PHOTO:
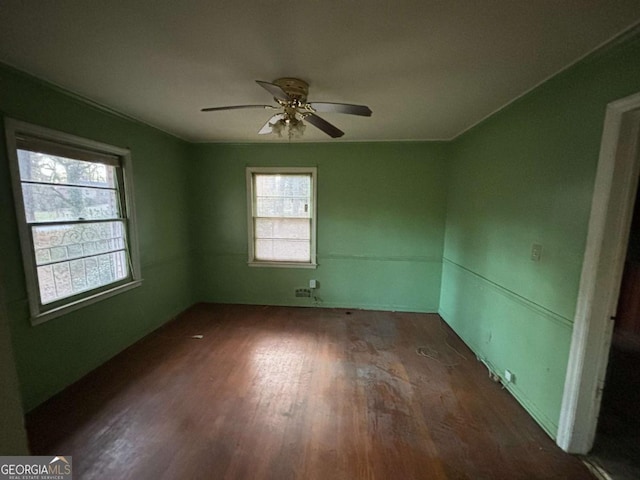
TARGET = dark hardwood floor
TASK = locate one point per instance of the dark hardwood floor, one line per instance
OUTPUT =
(296, 393)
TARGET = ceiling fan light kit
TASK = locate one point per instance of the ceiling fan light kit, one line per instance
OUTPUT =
(292, 125)
(291, 96)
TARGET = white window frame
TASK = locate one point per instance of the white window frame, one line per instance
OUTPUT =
(41, 313)
(313, 171)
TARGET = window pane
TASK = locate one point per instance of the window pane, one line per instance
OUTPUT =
(283, 250)
(271, 185)
(50, 203)
(61, 280)
(283, 195)
(42, 167)
(65, 242)
(283, 228)
(283, 239)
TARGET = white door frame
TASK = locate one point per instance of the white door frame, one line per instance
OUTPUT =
(609, 224)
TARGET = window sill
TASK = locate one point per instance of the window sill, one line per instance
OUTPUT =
(282, 264)
(83, 302)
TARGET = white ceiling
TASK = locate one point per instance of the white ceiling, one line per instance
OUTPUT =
(429, 69)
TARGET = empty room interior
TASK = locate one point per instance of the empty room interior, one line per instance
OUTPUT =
(321, 240)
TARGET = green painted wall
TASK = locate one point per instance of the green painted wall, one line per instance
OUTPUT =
(526, 176)
(424, 226)
(381, 220)
(52, 355)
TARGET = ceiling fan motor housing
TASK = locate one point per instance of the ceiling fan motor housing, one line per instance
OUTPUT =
(294, 87)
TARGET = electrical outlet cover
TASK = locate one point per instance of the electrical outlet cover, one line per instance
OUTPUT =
(509, 376)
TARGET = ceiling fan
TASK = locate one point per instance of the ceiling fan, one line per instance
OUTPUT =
(291, 96)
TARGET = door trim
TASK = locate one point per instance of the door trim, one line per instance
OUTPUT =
(609, 223)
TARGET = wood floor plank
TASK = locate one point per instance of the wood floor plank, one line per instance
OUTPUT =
(296, 393)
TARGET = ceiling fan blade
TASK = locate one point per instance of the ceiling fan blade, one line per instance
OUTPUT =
(322, 124)
(237, 107)
(267, 128)
(361, 110)
(274, 90)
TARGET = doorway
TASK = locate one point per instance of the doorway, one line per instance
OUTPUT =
(604, 260)
(617, 443)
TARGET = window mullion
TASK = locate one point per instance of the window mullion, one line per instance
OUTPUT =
(66, 184)
(74, 222)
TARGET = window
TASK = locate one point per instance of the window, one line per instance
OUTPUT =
(75, 213)
(282, 216)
